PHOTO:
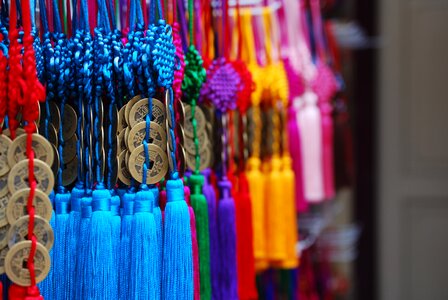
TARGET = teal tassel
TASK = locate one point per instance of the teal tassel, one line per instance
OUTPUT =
(100, 263)
(144, 260)
(125, 243)
(157, 212)
(46, 287)
(60, 254)
(84, 281)
(177, 277)
(116, 227)
(74, 220)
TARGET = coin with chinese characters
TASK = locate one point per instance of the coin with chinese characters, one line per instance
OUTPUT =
(129, 106)
(138, 134)
(158, 164)
(5, 143)
(41, 147)
(190, 146)
(16, 263)
(139, 111)
(18, 176)
(18, 231)
(4, 235)
(4, 200)
(17, 205)
(188, 124)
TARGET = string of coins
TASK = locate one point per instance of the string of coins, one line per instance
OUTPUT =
(30, 179)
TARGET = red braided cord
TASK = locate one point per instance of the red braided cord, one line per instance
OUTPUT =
(3, 88)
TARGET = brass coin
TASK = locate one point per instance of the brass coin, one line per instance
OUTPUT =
(138, 134)
(3, 253)
(52, 133)
(4, 236)
(18, 232)
(3, 215)
(69, 122)
(5, 143)
(19, 132)
(158, 164)
(200, 121)
(190, 146)
(123, 172)
(126, 136)
(121, 122)
(180, 110)
(17, 205)
(42, 149)
(139, 111)
(204, 162)
(70, 172)
(56, 161)
(180, 136)
(15, 263)
(4, 185)
(129, 106)
(121, 141)
(69, 151)
(18, 176)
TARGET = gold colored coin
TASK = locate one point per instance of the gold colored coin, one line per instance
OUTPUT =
(17, 205)
(70, 172)
(56, 161)
(190, 146)
(122, 123)
(123, 172)
(204, 162)
(51, 135)
(3, 204)
(129, 106)
(200, 121)
(5, 144)
(19, 132)
(157, 167)
(69, 122)
(121, 141)
(4, 236)
(138, 134)
(3, 253)
(4, 185)
(139, 111)
(15, 263)
(126, 136)
(18, 232)
(69, 151)
(41, 147)
(18, 176)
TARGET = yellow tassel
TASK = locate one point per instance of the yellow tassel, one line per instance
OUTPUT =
(256, 187)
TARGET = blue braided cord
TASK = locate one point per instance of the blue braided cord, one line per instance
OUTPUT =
(87, 84)
(173, 173)
(127, 65)
(117, 49)
(139, 62)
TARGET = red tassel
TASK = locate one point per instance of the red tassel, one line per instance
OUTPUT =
(245, 249)
(17, 292)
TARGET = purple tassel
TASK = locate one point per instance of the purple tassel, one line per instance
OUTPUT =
(210, 196)
(227, 242)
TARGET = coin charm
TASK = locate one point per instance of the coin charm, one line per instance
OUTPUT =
(15, 263)
(129, 106)
(190, 146)
(50, 134)
(121, 141)
(18, 232)
(204, 162)
(70, 172)
(139, 111)
(200, 121)
(4, 185)
(158, 164)
(17, 205)
(123, 172)
(138, 134)
(56, 160)
(3, 253)
(41, 147)
(3, 204)
(5, 144)
(18, 176)
(4, 236)
(126, 136)
(121, 122)
(19, 132)
(69, 122)
(69, 151)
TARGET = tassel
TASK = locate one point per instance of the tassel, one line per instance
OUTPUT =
(144, 262)
(17, 292)
(116, 230)
(177, 280)
(227, 242)
(199, 204)
(47, 285)
(84, 281)
(74, 220)
(195, 249)
(245, 248)
(100, 262)
(309, 123)
(60, 253)
(125, 243)
(275, 223)
(256, 186)
(210, 195)
(157, 212)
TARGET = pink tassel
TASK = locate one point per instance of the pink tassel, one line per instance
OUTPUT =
(309, 123)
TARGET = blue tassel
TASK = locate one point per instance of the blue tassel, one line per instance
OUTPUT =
(157, 212)
(227, 242)
(177, 275)
(144, 260)
(60, 254)
(46, 286)
(116, 227)
(84, 282)
(74, 219)
(125, 243)
(100, 262)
